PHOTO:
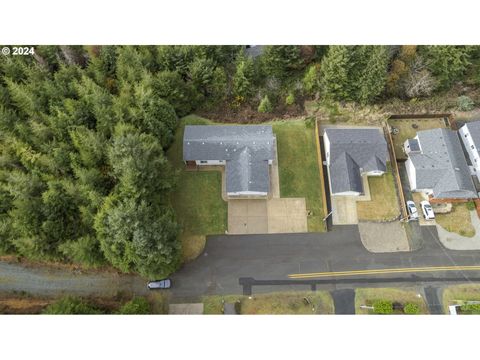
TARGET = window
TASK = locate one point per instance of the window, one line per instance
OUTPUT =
(203, 161)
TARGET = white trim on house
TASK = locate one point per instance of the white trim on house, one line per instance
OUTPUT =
(210, 162)
(347, 193)
(472, 150)
(246, 193)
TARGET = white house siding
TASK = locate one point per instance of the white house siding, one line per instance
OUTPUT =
(411, 174)
(472, 152)
(326, 143)
(374, 173)
(246, 194)
(347, 193)
(210, 162)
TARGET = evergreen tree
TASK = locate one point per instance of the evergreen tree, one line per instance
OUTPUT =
(279, 60)
(373, 76)
(334, 73)
(243, 78)
(447, 63)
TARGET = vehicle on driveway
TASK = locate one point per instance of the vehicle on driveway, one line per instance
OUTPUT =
(412, 210)
(427, 210)
(159, 284)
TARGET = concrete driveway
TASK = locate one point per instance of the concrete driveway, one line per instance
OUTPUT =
(344, 210)
(272, 216)
(247, 217)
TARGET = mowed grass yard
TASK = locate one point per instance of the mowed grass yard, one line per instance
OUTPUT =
(383, 205)
(197, 199)
(320, 302)
(366, 296)
(457, 221)
(298, 167)
(466, 292)
(407, 131)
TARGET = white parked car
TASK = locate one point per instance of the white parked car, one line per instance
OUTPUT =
(427, 210)
(412, 210)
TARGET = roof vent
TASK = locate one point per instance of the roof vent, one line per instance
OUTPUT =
(203, 142)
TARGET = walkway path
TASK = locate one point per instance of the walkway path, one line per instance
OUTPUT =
(344, 301)
(433, 300)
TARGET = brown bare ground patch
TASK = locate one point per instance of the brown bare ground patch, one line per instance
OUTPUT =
(23, 305)
(56, 265)
(248, 114)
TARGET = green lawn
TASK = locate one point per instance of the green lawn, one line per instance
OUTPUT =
(364, 296)
(274, 303)
(453, 295)
(298, 167)
(197, 199)
(457, 221)
(383, 205)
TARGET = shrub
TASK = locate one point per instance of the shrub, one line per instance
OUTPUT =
(265, 105)
(382, 307)
(136, 306)
(470, 205)
(464, 103)
(70, 305)
(290, 100)
(411, 309)
(471, 308)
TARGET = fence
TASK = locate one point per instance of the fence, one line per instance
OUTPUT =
(449, 118)
(396, 173)
(320, 167)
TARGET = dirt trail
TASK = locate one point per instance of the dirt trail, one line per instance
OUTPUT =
(54, 282)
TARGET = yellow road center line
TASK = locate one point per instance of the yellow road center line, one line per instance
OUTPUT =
(385, 271)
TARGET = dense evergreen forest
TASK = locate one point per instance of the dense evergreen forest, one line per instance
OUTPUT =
(84, 130)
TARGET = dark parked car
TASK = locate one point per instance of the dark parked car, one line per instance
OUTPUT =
(159, 284)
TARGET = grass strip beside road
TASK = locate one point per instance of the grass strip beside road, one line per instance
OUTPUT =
(304, 302)
(368, 296)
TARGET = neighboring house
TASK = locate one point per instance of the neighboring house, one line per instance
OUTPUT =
(246, 151)
(351, 153)
(436, 165)
(254, 50)
(470, 135)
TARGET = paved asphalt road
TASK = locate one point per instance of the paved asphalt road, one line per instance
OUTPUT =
(274, 257)
(226, 259)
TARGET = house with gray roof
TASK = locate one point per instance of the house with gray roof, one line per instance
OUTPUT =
(436, 165)
(352, 153)
(470, 135)
(246, 151)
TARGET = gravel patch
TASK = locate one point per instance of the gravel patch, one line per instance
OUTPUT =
(383, 237)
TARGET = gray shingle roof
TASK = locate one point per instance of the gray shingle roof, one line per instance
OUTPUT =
(441, 165)
(245, 148)
(474, 129)
(352, 152)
